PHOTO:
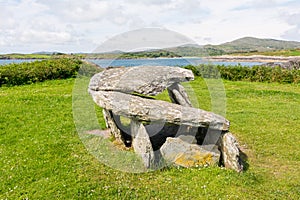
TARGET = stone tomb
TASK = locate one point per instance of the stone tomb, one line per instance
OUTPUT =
(158, 130)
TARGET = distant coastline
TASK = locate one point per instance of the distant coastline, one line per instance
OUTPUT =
(220, 58)
(252, 58)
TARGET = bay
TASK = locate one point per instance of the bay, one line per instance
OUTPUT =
(163, 62)
(144, 62)
(9, 61)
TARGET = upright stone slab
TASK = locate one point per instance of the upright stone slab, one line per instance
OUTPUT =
(178, 95)
(231, 152)
(141, 143)
(109, 122)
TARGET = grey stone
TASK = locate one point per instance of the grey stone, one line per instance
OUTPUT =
(230, 152)
(290, 64)
(110, 124)
(142, 79)
(212, 136)
(141, 143)
(155, 110)
(188, 138)
(181, 153)
(178, 95)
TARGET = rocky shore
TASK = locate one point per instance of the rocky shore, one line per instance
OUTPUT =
(289, 62)
(254, 58)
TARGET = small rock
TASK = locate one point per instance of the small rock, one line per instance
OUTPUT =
(181, 153)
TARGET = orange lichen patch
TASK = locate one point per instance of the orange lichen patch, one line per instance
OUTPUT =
(194, 160)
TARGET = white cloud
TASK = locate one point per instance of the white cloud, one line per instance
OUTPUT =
(292, 34)
(79, 25)
(141, 39)
(294, 21)
(45, 37)
(82, 11)
(226, 23)
(152, 2)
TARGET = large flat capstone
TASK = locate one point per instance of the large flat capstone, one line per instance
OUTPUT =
(154, 110)
(143, 79)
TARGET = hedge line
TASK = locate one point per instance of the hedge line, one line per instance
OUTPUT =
(243, 73)
(38, 71)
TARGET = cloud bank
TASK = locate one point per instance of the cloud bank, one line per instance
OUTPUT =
(80, 26)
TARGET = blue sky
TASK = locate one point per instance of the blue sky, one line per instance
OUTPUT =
(28, 26)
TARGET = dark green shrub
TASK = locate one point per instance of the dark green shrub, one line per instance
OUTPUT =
(244, 73)
(26, 73)
(193, 69)
(88, 69)
(205, 71)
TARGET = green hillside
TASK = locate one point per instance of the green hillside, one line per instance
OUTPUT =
(255, 44)
(242, 45)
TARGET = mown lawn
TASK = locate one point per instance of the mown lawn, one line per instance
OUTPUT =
(42, 156)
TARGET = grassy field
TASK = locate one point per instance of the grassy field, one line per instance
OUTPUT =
(42, 156)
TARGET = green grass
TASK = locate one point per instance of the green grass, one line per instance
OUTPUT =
(43, 157)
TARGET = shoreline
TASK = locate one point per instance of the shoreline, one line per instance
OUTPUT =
(254, 58)
(222, 58)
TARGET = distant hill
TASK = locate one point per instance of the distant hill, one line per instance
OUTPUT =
(242, 45)
(48, 53)
(256, 44)
(206, 50)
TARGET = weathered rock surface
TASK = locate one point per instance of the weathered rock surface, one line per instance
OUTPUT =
(141, 143)
(291, 64)
(183, 154)
(178, 95)
(254, 58)
(110, 124)
(154, 110)
(143, 80)
(230, 152)
(188, 138)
